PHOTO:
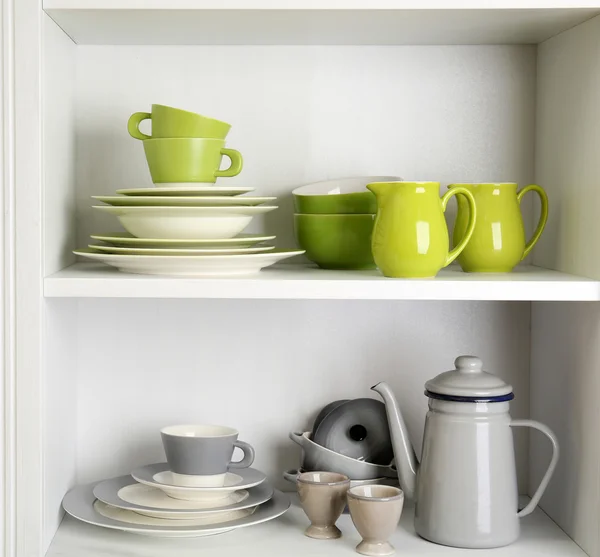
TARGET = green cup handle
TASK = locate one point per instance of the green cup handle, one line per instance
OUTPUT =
(236, 163)
(543, 216)
(471, 224)
(133, 125)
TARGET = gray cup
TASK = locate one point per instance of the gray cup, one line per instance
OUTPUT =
(203, 450)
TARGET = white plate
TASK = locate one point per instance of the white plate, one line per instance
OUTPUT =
(160, 477)
(125, 240)
(191, 265)
(185, 222)
(181, 201)
(186, 189)
(79, 503)
(125, 493)
(132, 517)
(180, 251)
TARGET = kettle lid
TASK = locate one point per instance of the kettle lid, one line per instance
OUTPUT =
(469, 382)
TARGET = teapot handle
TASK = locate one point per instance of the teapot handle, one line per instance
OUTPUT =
(555, 451)
(543, 215)
(470, 225)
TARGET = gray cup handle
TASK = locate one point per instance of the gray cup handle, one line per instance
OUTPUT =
(248, 455)
(291, 475)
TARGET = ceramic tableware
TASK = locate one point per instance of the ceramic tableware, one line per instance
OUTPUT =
(174, 122)
(375, 511)
(357, 428)
(200, 266)
(81, 504)
(498, 241)
(200, 455)
(316, 457)
(410, 238)
(186, 190)
(336, 241)
(160, 476)
(181, 201)
(325, 410)
(466, 497)
(180, 251)
(341, 196)
(185, 222)
(124, 239)
(190, 160)
(292, 477)
(125, 493)
(323, 498)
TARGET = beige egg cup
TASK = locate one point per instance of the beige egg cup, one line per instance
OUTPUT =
(375, 511)
(323, 498)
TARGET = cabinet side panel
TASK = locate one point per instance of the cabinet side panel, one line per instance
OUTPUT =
(565, 360)
(567, 147)
(60, 416)
(59, 147)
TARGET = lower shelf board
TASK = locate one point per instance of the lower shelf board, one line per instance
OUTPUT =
(284, 536)
(526, 283)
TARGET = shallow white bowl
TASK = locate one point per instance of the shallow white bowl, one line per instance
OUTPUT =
(196, 223)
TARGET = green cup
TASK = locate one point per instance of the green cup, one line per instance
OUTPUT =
(336, 241)
(173, 122)
(189, 160)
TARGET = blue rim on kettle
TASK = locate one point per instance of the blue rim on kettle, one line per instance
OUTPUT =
(452, 398)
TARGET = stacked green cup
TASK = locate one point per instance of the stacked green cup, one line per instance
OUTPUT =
(334, 221)
(184, 147)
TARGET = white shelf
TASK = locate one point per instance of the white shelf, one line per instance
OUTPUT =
(351, 22)
(90, 280)
(284, 536)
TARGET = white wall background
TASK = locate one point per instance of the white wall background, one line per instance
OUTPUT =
(267, 368)
(302, 114)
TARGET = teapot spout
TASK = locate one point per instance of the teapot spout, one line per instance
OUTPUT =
(404, 454)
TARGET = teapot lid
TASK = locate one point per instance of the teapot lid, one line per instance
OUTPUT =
(468, 383)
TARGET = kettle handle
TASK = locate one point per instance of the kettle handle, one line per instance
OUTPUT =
(553, 461)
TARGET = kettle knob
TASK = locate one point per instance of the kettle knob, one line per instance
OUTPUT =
(468, 364)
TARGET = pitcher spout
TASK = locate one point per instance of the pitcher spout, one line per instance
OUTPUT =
(404, 454)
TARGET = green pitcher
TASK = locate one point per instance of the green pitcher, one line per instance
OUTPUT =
(498, 242)
(410, 237)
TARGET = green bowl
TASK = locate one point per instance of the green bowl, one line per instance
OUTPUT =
(338, 197)
(336, 241)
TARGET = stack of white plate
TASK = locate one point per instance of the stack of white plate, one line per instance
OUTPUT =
(183, 230)
(150, 502)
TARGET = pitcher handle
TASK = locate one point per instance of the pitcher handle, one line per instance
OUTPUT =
(470, 226)
(543, 216)
(553, 461)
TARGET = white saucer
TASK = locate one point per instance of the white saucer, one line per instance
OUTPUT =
(159, 476)
(79, 503)
(125, 493)
(180, 251)
(181, 200)
(125, 240)
(186, 189)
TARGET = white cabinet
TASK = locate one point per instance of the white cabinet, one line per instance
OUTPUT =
(96, 361)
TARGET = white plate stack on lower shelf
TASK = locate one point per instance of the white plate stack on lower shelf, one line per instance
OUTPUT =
(152, 502)
(184, 230)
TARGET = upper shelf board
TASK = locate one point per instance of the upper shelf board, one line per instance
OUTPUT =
(316, 22)
(91, 280)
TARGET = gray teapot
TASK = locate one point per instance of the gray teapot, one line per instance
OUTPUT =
(465, 487)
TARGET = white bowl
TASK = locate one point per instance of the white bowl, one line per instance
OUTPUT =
(197, 223)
